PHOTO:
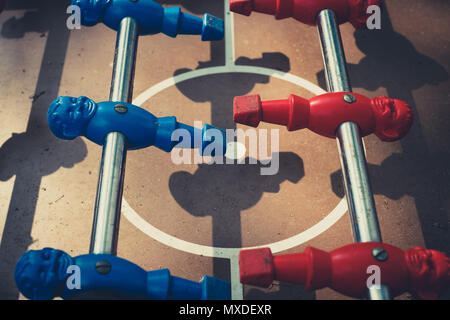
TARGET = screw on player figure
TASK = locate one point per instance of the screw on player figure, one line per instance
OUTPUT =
(70, 117)
(423, 272)
(43, 274)
(389, 119)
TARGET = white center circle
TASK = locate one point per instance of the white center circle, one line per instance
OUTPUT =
(236, 150)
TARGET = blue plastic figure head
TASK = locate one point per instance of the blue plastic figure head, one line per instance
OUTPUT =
(91, 10)
(68, 117)
(40, 274)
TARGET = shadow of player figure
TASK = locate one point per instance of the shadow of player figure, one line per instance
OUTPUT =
(197, 6)
(279, 291)
(225, 87)
(398, 176)
(33, 20)
(223, 191)
(393, 63)
(425, 181)
(220, 89)
(29, 157)
(221, 94)
(36, 152)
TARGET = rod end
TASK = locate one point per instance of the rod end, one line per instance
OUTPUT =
(256, 267)
(247, 110)
(213, 28)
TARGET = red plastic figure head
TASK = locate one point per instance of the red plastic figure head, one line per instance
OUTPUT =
(393, 118)
(429, 271)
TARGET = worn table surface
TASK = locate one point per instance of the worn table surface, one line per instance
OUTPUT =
(47, 186)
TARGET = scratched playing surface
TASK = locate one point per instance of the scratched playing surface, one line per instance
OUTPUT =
(47, 186)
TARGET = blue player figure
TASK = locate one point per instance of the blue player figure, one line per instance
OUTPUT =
(49, 273)
(151, 16)
(70, 117)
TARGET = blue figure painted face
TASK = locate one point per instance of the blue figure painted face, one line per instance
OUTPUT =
(39, 274)
(91, 10)
(68, 116)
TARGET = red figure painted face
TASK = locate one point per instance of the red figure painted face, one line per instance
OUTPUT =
(393, 118)
(429, 271)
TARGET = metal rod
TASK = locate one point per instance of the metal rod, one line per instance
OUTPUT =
(361, 205)
(108, 202)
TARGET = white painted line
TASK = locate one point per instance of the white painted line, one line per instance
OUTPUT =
(217, 252)
(229, 35)
(237, 289)
(147, 94)
(230, 253)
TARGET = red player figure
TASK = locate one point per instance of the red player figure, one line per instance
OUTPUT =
(423, 272)
(306, 11)
(389, 119)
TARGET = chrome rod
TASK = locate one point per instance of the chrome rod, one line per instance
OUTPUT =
(108, 202)
(361, 204)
